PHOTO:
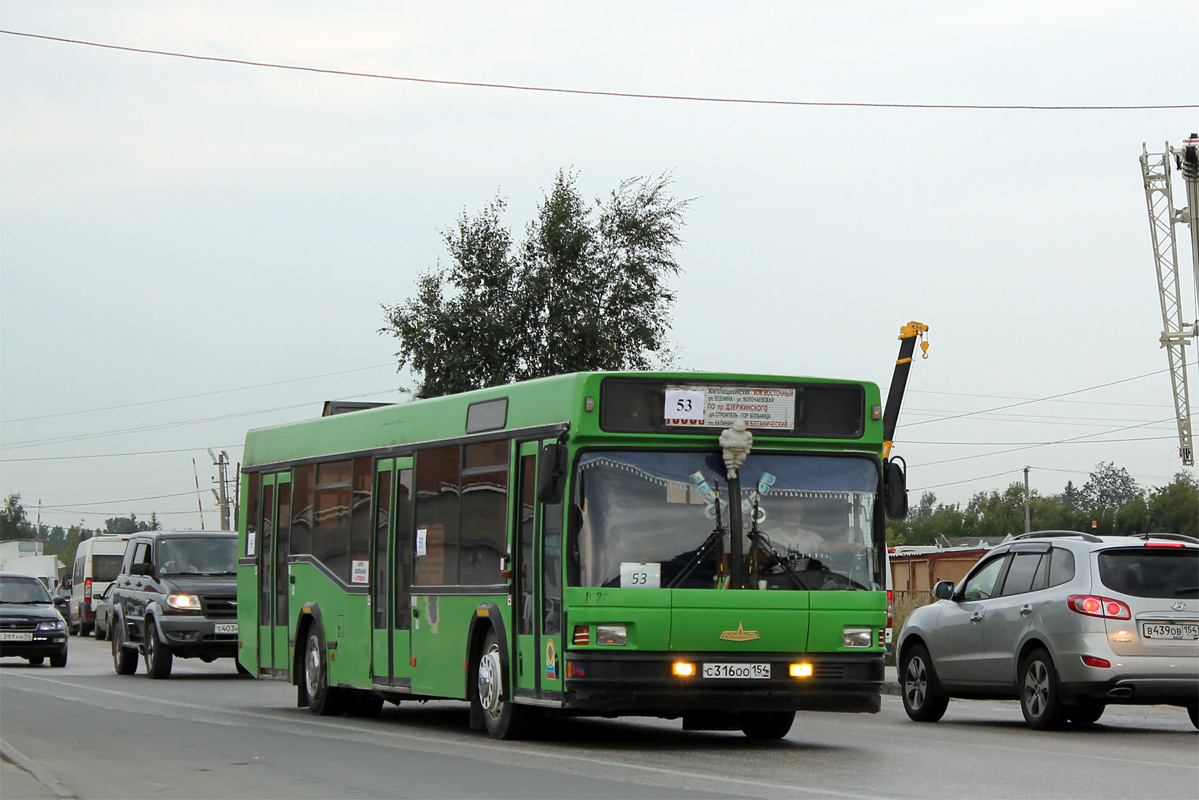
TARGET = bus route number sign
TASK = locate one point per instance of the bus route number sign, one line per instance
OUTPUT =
(635, 575)
(685, 405)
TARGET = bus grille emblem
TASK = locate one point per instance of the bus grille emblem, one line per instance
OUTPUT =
(740, 635)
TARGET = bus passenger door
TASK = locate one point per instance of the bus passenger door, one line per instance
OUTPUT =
(525, 649)
(273, 525)
(391, 583)
(537, 616)
(381, 560)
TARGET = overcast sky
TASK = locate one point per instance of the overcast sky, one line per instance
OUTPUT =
(190, 248)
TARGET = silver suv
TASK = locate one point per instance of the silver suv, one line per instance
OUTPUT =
(1066, 622)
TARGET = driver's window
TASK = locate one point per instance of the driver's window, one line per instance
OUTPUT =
(981, 584)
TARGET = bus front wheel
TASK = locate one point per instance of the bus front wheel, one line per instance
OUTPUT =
(323, 699)
(503, 718)
(767, 724)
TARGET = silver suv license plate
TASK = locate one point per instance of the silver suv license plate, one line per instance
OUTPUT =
(736, 671)
(1167, 630)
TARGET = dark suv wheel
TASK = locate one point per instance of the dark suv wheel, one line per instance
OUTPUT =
(124, 659)
(158, 655)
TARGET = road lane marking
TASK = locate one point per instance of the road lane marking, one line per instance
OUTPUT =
(470, 746)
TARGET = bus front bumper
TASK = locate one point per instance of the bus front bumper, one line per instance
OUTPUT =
(646, 683)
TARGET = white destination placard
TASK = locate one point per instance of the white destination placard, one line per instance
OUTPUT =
(762, 407)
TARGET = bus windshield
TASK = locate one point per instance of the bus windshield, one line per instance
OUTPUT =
(647, 520)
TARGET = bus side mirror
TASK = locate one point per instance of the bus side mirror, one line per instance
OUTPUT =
(895, 490)
(551, 474)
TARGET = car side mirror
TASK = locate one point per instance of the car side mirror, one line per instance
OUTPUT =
(943, 590)
(142, 569)
(551, 474)
(60, 602)
(895, 489)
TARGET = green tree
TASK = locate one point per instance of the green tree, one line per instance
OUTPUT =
(1109, 488)
(13, 522)
(1174, 508)
(1133, 517)
(131, 524)
(1070, 497)
(585, 290)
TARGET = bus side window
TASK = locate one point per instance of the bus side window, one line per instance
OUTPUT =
(551, 568)
(403, 574)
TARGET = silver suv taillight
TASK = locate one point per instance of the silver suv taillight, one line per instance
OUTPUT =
(1094, 606)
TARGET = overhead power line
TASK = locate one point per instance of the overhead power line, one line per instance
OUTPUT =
(124, 455)
(165, 425)
(69, 506)
(86, 513)
(1042, 399)
(201, 394)
(1041, 444)
(1072, 440)
(600, 93)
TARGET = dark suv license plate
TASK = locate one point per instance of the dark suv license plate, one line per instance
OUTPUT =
(1169, 630)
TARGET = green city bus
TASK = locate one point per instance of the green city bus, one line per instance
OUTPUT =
(564, 546)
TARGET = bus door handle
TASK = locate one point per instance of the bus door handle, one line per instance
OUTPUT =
(291, 579)
(416, 613)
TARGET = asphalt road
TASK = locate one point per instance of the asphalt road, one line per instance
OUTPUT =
(85, 732)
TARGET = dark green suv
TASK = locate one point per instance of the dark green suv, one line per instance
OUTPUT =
(176, 595)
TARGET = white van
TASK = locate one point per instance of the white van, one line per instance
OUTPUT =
(97, 564)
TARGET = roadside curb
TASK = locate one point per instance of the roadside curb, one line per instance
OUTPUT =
(890, 682)
(20, 761)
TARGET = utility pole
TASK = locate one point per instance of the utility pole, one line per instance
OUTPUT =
(199, 502)
(222, 496)
(1027, 508)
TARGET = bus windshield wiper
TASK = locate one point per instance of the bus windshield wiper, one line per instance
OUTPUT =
(759, 540)
(714, 538)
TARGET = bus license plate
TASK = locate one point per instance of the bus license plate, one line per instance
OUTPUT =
(736, 671)
(225, 627)
(10, 636)
(1165, 630)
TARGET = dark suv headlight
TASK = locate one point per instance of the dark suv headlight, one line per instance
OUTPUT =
(184, 602)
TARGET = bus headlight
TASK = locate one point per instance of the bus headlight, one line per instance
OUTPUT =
(611, 635)
(186, 602)
(684, 669)
(801, 670)
(857, 637)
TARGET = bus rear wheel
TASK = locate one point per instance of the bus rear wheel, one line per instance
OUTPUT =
(323, 699)
(767, 724)
(503, 718)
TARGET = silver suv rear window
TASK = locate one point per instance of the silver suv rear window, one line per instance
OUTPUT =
(1151, 571)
